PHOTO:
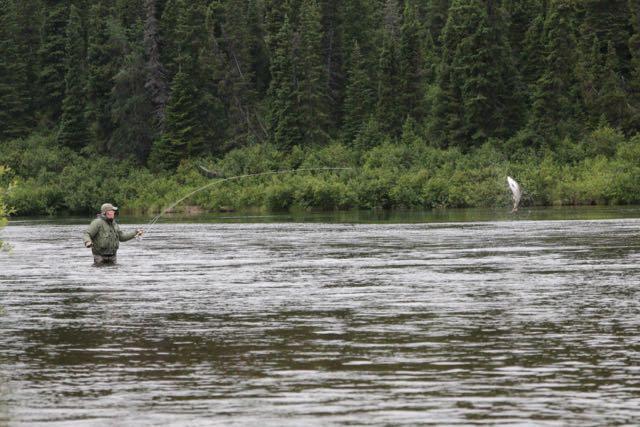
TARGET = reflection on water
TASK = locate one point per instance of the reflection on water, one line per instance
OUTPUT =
(317, 323)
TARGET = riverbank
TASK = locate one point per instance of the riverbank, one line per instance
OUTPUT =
(602, 169)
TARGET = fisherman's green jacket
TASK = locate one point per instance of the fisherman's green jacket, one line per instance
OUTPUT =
(106, 236)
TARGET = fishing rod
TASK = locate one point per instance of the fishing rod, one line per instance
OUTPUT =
(232, 178)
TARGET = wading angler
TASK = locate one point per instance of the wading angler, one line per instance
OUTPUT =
(104, 235)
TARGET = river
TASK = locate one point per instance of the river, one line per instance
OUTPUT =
(472, 318)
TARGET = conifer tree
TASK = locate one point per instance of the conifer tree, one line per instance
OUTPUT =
(29, 26)
(168, 39)
(389, 111)
(412, 65)
(156, 77)
(589, 71)
(359, 96)
(73, 131)
(634, 50)
(533, 54)
(613, 101)
(51, 54)
(556, 107)
(182, 135)
(14, 99)
(437, 12)
(520, 15)
(609, 20)
(132, 109)
(283, 123)
(106, 42)
(478, 85)
(312, 104)
(231, 46)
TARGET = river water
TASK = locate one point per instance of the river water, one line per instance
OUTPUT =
(516, 321)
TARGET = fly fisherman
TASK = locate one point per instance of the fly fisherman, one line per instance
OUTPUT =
(104, 234)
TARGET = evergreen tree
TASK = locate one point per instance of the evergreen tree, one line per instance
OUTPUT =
(634, 79)
(436, 13)
(334, 56)
(609, 20)
(231, 45)
(73, 126)
(182, 135)
(412, 65)
(51, 54)
(478, 84)
(359, 96)
(132, 110)
(192, 41)
(312, 102)
(389, 111)
(156, 78)
(521, 14)
(589, 70)
(556, 108)
(29, 26)
(168, 40)
(105, 48)
(613, 101)
(14, 119)
(533, 54)
(283, 123)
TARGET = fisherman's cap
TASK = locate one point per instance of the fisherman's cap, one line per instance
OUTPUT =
(107, 207)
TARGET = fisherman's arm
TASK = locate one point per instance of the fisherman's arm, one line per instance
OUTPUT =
(124, 236)
(89, 234)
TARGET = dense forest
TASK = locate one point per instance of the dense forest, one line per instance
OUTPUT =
(430, 102)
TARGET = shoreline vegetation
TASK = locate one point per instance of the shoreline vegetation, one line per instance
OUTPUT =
(602, 169)
(430, 103)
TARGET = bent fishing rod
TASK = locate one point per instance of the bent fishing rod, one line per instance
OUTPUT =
(234, 178)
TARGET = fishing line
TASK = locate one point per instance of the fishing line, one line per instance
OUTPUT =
(220, 181)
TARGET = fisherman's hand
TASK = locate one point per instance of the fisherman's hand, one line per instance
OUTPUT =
(139, 232)
(88, 244)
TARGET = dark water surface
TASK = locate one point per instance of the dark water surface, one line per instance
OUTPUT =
(511, 322)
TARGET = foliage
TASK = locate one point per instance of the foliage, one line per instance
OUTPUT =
(431, 103)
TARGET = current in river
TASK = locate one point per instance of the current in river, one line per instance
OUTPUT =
(468, 318)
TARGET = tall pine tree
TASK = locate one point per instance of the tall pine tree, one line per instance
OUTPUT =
(52, 63)
(312, 102)
(556, 104)
(14, 97)
(73, 131)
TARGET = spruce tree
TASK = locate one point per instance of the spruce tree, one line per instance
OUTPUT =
(73, 131)
(182, 135)
(533, 54)
(132, 109)
(609, 20)
(52, 66)
(613, 101)
(389, 111)
(283, 123)
(634, 79)
(156, 76)
(312, 102)
(412, 65)
(359, 96)
(104, 55)
(14, 99)
(589, 71)
(478, 85)
(168, 41)
(29, 26)
(437, 12)
(556, 107)
(231, 46)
